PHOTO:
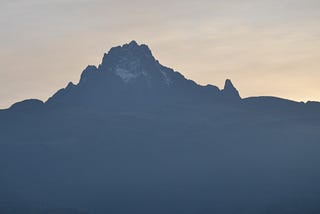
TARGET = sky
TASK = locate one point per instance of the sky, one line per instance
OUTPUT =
(266, 47)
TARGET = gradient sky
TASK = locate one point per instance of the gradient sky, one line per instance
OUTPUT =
(267, 47)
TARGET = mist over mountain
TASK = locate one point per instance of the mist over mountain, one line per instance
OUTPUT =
(134, 136)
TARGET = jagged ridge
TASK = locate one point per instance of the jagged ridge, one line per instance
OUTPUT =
(130, 72)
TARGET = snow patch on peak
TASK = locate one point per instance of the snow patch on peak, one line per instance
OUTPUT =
(125, 74)
(128, 69)
(167, 80)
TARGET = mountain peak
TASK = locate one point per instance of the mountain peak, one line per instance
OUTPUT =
(133, 43)
(132, 49)
(87, 73)
(228, 85)
(131, 62)
(229, 90)
(130, 72)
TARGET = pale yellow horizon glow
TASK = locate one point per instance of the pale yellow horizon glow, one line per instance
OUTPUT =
(267, 48)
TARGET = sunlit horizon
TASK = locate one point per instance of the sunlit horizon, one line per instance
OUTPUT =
(266, 48)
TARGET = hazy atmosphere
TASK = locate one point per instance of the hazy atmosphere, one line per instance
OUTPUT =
(175, 107)
(265, 47)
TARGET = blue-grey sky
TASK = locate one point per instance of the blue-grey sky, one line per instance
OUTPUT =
(267, 47)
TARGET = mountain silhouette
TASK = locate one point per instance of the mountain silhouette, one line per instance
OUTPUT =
(129, 74)
(134, 136)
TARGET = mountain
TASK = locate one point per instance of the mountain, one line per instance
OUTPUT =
(130, 75)
(134, 136)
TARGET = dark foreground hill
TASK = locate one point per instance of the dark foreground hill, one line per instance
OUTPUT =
(134, 136)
